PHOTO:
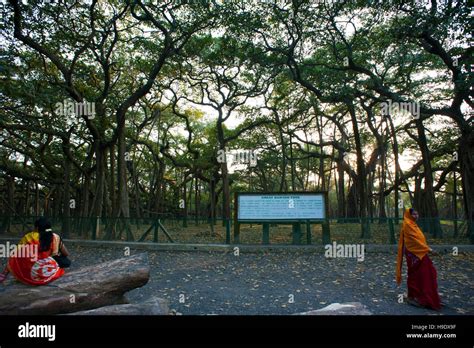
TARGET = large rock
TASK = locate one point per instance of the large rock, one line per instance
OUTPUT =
(153, 306)
(86, 288)
(348, 308)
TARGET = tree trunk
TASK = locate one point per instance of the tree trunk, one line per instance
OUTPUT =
(321, 160)
(370, 194)
(185, 201)
(112, 189)
(58, 201)
(11, 195)
(98, 202)
(85, 197)
(455, 204)
(37, 200)
(9, 210)
(341, 196)
(197, 200)
(397, 169)
(361, 177)
(292, 167)
(136, 188)
(66, 216)
(160, 188)
(283, 184)
(224, 170)
(382, 180)
(212, 203)
(123, 201)
(427, 207)
(27, 210)
(466, 156)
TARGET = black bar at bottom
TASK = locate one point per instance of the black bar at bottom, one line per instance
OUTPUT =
(346, 330)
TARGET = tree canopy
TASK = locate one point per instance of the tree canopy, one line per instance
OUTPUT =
(122, 107)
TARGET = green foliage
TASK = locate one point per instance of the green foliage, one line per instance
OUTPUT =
(275, 79)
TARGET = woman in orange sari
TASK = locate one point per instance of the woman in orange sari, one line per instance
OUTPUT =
(32, 261)
(422, 278)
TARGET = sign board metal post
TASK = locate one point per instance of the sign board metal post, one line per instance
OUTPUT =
(227, 231)
(236, 221)
(296, 233)
(308, 232)
(326, 233)
(266, 233)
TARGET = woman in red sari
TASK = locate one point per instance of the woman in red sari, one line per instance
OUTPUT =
(32, 261)
(422, 278)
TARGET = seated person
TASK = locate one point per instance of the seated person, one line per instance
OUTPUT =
(39, 258)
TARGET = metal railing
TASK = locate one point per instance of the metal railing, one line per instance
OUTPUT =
(201, 230)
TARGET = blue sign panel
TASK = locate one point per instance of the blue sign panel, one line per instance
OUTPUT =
(277, 206)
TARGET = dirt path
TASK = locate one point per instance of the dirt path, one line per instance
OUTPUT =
(263, 284)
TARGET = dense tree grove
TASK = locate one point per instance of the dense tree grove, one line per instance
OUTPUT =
(142, 108)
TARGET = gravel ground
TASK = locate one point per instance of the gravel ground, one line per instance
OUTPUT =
(266, 283)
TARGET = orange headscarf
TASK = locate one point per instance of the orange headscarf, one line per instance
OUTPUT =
(413, 239)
